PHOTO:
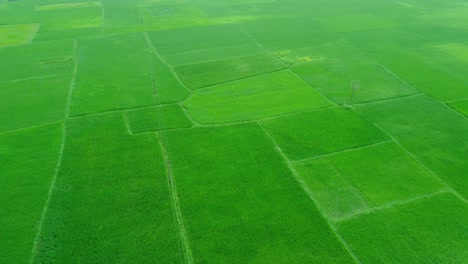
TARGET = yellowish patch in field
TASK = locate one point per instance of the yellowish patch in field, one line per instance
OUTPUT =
(67, 6)
(17, 34)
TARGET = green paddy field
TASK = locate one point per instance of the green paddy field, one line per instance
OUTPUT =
(233, 131)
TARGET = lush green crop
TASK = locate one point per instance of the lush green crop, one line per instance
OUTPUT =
(310, 134)
(350, 182)
(334, 79)
(28, 164)
(424, 231)
(111, 201)
(157, 118)
(257, 97)
(33, 102)
(425, 128)
(233, 131)
(214, 72)
(246, 206)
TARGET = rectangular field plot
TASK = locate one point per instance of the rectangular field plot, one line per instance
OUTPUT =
(157, 118)
(435, 134)
(111, 200)
(430, 230)
(29, 159)
(456, 50)
(422, 76)
(320, 132)
(334, 78)
(356, 22)
(289, 33)
(350, 182)
(17, 34)
(199, 44)
(36, 60)
(214, 72)
(242, 205)
(113, 73)
(253, 98)
(33, 102)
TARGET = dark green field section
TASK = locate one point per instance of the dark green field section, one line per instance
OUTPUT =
(425, 231)
(36, 60)
(385, 174)
(33, 102)
(29, 160)
(110, 202)
(333, 78)
(425, 128)
(157, 118)
(252, 98)
(247, 207)
(310, 134)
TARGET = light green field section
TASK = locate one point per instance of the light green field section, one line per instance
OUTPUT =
(110, 200)
(199, 44)
(113, 73)
(423, 231)
(71, 18)
(33, 102)
(311, 134)
(215, 72)
(456, 16)
(316, 53)
(460, 106)
(351, 182)
(168, 15)
(456, 50)
(285, 34)
(422, 76)
(157, 118)
(67, 6)
(36, 60)
(333, 78)
(17, 34)
(253, 98)
(70, 34)
(29, 159)
(247, 207)
(435, 134)
(356, 22)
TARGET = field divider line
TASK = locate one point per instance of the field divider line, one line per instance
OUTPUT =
(455, 101)
(29, 127)
(456, 111)
(310, 194)
(342, 151)
(389, 99)
(182, 237)
(391, 205)
(49, 194)
(195, 123)
(72, 83)
(36, 78)
(127, 123)
(239, 79)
